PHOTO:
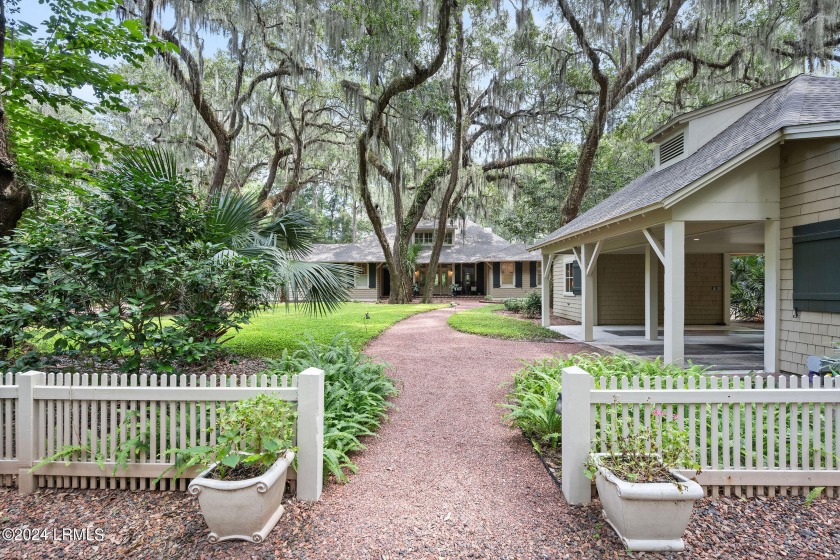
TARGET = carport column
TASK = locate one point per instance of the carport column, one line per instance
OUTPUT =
(726, 287)
(674, 292)
(587, 319)
(772, 244)
(545, 282)
(651, 294)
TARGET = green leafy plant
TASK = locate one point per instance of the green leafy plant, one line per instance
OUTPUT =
(255, 431)
(646, 454)
(832, 363)
(813, 495)
(356, 393)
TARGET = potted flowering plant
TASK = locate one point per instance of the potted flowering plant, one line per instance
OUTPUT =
(645, 500)
(241, 489)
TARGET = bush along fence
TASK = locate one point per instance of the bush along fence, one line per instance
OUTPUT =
(752, 435)
(119, 430)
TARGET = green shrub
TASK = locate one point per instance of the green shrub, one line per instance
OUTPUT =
(533, 396)
(355, 396)
(514, 305)
(124, 273)
(532, 304)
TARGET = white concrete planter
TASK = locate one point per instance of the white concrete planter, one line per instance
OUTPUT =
(243, 509)
(647, 516)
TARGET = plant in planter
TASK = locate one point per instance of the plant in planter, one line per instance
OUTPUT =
(645, 500)
(241, 490)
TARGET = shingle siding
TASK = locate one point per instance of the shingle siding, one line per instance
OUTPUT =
(621, 289)
(810, 192)
(566, 306)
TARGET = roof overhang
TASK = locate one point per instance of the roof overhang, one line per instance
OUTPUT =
(802, 132)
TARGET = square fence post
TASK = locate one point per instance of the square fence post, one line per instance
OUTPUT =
(26, 428)
(576, 426)
(310, 435)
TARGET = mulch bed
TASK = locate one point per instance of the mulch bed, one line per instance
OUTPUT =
(169, 525)
(555, 320)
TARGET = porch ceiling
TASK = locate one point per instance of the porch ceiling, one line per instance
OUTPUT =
(701, 237)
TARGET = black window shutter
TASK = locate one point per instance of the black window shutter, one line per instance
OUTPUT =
(517, 282)
(816, 267)
(532, 272)
(371, 275)
(479, 277)
(457, 273)
(576, 279)
(497, 275)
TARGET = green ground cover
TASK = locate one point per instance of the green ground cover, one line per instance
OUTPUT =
(484, 321)
(271, 332)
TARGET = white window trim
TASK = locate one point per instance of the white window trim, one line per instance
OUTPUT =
(566, 261)
(356, 276)
(538, 268)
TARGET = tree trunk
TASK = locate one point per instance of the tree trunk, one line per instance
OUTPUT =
(15, 197)
(220, 169)
(402, 281)
(583, 173)
(455, 159)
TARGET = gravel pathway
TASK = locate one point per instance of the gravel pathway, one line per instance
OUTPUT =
(445, 479)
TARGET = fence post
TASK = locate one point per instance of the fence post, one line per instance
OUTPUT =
(576, 426)
(310, 435)
(26, 428)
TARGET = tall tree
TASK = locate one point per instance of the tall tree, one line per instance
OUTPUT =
(625, 47)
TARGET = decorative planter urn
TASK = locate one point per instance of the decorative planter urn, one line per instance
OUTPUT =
(648, 516)
(242, 509)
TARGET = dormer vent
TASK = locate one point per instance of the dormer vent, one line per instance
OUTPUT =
(672, 149)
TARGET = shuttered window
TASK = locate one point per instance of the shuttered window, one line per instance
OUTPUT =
(816, 267)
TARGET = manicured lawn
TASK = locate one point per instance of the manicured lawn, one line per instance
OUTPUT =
(483, 321)
(271, 332)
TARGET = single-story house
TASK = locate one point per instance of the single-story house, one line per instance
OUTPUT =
(755, 174)
(473, 257)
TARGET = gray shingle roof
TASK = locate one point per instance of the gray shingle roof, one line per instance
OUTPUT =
(805, 100)
(472, 243)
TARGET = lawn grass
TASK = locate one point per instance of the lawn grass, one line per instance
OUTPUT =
(484, 321)
(270, 332)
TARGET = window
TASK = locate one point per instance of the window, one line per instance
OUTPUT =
(570, 277)
(428, 237)
(507, 273)
(572, 281)
(361, 275)
(538, 272)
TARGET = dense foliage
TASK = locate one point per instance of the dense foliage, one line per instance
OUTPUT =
(127, 273)
(356, 392)
(256, 433)
(747, 296)
(533, 395)
(530, 305)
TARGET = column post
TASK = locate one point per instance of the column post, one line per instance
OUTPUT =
(772, 271)
(587, 318)
(576, 425)
(674, 292)
(310, 434)
(545, 282)
(651, 294)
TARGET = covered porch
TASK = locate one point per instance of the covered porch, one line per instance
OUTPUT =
(663, 289)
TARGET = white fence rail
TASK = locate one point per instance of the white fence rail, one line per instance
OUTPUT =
(752, 435)
(123, 425)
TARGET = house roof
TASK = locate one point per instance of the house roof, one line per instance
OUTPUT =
(804, 100)
(470, 243)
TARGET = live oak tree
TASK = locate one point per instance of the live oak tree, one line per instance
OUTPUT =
(622, 48)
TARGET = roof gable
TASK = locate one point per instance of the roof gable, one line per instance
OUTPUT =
(804, 100)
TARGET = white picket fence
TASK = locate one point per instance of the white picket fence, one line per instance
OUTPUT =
(143, 416)
(752, 435)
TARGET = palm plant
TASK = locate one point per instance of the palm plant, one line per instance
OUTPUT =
(238, 223)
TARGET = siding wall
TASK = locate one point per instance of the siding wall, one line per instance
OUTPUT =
(810, 192)
(565, 306)
(505, 293)
(621, 291)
